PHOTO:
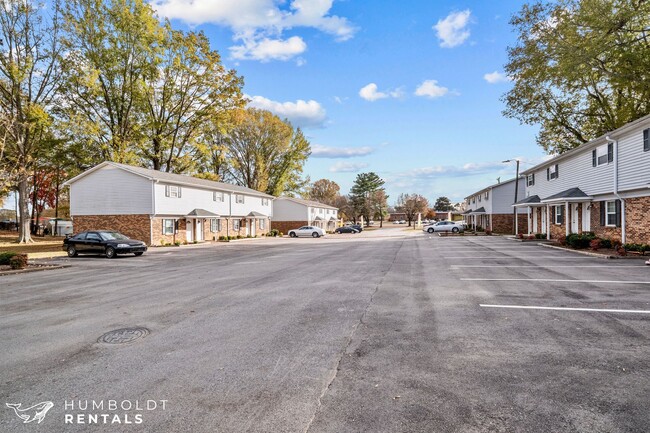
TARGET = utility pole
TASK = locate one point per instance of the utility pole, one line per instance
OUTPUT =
(514, 214)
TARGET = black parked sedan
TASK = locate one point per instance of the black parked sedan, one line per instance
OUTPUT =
(105, 242)
(346, 229)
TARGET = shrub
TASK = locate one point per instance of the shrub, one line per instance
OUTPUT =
(580, 241)
(531, 237)
(595, 244)
(520, 236)
(249, 236)
(177, 243)
(488, 232)
(540, 236)
(639, 248)
(168, 244)
(605, 243)
(6, 256)
(18, 261)
(621, 251)
(239, 236)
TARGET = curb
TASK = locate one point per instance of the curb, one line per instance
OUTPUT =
(587, 253)
(36, 269)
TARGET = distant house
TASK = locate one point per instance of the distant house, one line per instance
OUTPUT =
(396, 216)
(158, 207)
(602, 186)
(491, 208)
(290, 213)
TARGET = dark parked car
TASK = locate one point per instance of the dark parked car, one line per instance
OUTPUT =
(106, 242)
(357, 227)
(346, 229)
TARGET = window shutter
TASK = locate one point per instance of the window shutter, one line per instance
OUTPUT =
(557, 172)
(166, 190)
(561, 214)
(548, 173)
(533, 178)
(179, 191)
(610, 152)
(176, 222)
(163, 226)
(618, 213)
(603, 205)
(646, 139)
(594, 158)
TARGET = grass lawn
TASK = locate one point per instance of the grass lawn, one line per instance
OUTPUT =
(8, 242)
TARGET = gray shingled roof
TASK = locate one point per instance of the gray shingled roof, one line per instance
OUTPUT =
(570, 194)
(257, 214)
(529, 200)
(478, 211)
(202, 213)
(311, 203)
(181, 178)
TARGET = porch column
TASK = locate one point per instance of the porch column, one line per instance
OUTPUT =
(567, 217)
(548, 222)
(529, 216)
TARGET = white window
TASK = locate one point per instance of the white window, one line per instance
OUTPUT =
(487, 195)
(172, 191)
(646, 140)
(218, 196)
(265, 202)
(239, 198)
(168, 226)
(602, 155)
(530, 179)
(215, 225)
(559, 214)
(235, 225)
(480, 197)
(552, 172)
(262, 224)
(473, 199)
(320, 210)
(610, 213)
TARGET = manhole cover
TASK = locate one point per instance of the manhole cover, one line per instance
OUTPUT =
(124, 335)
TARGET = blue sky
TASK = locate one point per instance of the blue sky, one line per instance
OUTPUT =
(394, 87)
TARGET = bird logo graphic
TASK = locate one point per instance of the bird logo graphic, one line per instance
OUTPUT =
(36, 412)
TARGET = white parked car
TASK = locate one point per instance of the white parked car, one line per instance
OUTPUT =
(304, 231)
(444, 226)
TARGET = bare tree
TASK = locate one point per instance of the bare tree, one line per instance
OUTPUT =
(411, 205)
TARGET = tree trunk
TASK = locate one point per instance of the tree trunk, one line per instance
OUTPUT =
(55, 232)
(24, 236)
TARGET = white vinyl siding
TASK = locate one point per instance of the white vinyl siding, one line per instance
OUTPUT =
(111, 191)
(634, 162)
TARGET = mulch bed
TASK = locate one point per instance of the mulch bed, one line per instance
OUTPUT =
(32, 267)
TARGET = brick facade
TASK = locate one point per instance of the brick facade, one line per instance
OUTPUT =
(637, 220)
(503, 223)
(227, 228)
(285, 226)
(134, 226)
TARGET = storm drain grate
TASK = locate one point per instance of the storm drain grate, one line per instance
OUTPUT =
(124, 335)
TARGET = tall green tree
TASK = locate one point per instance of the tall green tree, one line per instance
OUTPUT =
(363, 192)
(265, 153)
(29, 85)
(112, 47)
(581, 68)
(443, 204)
(191, 88)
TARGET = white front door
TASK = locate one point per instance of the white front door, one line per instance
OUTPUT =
(253, 222)
(574, 217)
(544, 228)
(199, 230)
(586, 217)
(535, 227)
(189, 230)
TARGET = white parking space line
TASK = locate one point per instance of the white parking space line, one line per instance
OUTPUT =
(530, 307)
(544, 266)
(519, 257)
(556, 280)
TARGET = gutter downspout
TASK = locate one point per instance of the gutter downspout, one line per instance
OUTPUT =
(615, 143)
(229, 214)
(153, 211)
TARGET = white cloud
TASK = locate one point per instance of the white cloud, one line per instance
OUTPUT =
(318, 151)
(452, 30)
(269, 49)
(260, 22)
(431, 89)
(348, 167)
(370, 92)
(305, 114)
(496, 77)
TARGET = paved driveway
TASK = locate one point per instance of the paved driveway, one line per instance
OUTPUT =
(384, 332)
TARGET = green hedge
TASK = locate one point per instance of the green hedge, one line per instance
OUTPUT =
(580, 241)
(6, 257)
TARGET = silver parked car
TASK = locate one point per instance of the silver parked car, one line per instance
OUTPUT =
(444, 226)
(314, 232)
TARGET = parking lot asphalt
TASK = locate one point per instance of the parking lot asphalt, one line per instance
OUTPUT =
(386, 331)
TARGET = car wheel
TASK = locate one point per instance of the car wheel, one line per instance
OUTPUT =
(72, 251)
(293, 234)
(454, 230)
(138, 253)
(315, 235)
(110, 252)
(430, 230)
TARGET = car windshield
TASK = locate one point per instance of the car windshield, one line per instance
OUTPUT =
(113, 236)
